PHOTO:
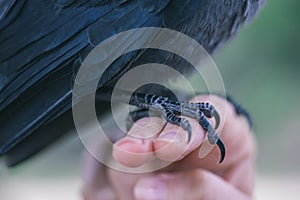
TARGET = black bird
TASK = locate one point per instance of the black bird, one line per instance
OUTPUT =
(43, 43)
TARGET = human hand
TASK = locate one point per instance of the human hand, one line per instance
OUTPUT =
(187, 177)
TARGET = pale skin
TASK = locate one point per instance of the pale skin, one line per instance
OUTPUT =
(188, 177)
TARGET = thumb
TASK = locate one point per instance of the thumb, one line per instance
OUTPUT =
(192, 184)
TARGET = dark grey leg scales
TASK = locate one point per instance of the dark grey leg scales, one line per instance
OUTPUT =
(170, 110)
(207, 109)
(139, 114)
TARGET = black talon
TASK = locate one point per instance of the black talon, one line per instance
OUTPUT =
(217, 118)
(222, 150)
(189, 130)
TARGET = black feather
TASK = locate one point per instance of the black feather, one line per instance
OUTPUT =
(43, 42)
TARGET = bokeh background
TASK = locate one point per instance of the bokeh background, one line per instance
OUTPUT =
(260, 69)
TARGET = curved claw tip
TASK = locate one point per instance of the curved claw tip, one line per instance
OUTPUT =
(188, 128)
(189, 136)
(222, 150)
(217, 118)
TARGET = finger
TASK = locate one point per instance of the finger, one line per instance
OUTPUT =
(95, 182)
(171, 143)
(136, 148)
(123, 183)
(194, 184)
(240, 147)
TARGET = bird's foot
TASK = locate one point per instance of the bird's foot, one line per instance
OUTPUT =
(172, 111)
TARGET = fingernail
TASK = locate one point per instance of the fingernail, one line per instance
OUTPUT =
(127, 142)
(151, 188)
(170, 137)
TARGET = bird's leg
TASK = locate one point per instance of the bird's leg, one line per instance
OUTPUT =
(170, 110)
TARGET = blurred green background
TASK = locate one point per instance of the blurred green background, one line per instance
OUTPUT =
(260, 69)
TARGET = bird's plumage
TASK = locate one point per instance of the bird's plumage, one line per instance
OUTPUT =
(43, 42)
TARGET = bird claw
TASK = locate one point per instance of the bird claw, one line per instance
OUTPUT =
(170, 110)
